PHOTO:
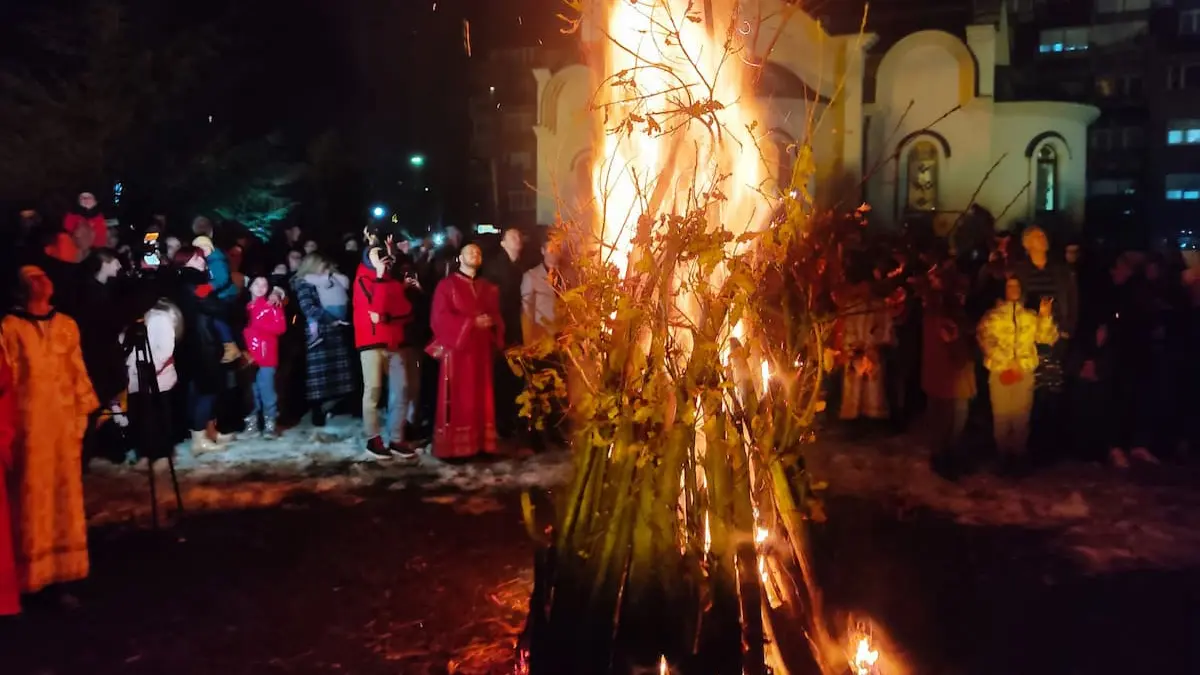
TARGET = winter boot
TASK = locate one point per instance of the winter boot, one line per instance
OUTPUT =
(269, 431)
(251, 425)
(202, 445)
(231, 353)
(221, 439)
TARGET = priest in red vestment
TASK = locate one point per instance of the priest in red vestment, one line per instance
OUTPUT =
(467, 331)
(10, 589)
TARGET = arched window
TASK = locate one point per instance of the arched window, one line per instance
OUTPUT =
(922, 173)
(1045, 195)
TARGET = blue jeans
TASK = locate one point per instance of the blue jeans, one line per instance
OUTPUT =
(200, 408)
(265, 400)
(224, 332)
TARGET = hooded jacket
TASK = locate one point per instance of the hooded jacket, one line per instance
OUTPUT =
(387, 297)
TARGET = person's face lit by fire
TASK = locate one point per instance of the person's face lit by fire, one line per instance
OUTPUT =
(550, 255)
(310, 246)
(85, 238)
(293, 260)
(259, 287)
(470, 258)
(1012, 290)
(1071, 254)
(114, 239)
(87, 201)
(1035, 242)
(511, 243)
(173, 246)
(36, 285)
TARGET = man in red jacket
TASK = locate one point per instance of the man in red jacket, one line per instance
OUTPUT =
(382, 314)
(86, 213)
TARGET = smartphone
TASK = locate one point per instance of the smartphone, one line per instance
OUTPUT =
(150, 245)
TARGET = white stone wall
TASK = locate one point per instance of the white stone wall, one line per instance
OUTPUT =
(931, 86)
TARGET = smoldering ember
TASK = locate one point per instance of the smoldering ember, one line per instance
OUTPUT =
(692, 337)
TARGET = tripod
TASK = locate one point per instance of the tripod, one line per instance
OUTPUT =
(149, 428)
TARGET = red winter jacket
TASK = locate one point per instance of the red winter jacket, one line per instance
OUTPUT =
(72, 222)
(265, 322)
(387, 297)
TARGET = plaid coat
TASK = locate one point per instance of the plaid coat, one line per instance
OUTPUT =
(330, 371)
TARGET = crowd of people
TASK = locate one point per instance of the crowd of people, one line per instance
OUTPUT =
(1041, 353)
(121, 343)
(116, 351)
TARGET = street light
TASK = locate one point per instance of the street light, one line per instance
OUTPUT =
(417, 160)
(379, 212)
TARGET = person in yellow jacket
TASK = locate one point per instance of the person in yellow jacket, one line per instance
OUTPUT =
(1009, 334)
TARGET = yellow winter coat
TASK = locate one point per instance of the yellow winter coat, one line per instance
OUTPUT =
(1010, 333)
(54, 397)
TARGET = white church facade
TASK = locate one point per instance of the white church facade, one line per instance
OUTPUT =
(917, 133)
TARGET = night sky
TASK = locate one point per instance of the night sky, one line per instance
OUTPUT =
(390, 76)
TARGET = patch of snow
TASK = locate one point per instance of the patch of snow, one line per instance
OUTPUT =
(330, 462)
(1103, 519)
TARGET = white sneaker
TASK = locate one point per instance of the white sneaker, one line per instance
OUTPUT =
(201, 445)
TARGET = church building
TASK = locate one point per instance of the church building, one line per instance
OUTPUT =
(915, 128)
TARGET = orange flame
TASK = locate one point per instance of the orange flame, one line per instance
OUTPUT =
(675, 68)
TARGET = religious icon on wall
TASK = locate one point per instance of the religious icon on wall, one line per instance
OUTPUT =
(922, 177)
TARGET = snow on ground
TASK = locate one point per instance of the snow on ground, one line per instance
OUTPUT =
(330, 462)
(1103, 519)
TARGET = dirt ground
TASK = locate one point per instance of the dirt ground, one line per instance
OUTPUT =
(408, 582)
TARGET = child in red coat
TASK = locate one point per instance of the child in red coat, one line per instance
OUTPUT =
(10, 590)
(265, 322)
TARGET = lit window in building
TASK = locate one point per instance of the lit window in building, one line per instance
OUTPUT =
(1046, 185)
(1183, 187)
(922, 167)
(1183, 132)
(1063, 40)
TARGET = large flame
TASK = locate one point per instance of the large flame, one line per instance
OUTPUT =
(682, 66)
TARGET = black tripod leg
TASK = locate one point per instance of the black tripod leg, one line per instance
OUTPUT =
(153, 494)
(175, 484)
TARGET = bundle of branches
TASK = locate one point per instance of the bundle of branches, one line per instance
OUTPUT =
(692, 338)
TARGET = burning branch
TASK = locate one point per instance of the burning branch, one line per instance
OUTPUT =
(698, 324)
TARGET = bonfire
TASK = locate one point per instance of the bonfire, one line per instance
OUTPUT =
(691, 352)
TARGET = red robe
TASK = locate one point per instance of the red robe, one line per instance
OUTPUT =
(466, 414)
(10, 588)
